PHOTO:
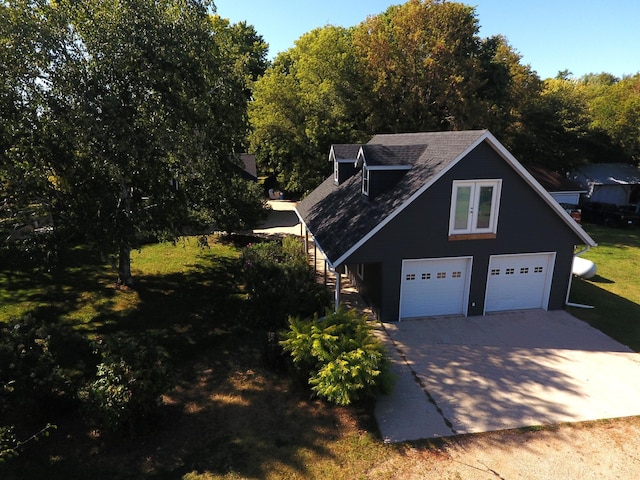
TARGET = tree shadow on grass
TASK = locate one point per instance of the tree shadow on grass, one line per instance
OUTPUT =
(227, 412)
(227, 416)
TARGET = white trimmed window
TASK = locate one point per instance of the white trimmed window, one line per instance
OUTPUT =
(360, 271)
(365, 180)
(474, 206)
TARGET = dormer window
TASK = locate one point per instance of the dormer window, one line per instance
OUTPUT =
(365, 180)
(336, 172)
(474, 208)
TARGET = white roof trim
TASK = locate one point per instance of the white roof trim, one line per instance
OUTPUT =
(504, 153)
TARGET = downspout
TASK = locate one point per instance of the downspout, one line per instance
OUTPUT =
(566, 301)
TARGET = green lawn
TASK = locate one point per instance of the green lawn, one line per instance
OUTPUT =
(615, 290)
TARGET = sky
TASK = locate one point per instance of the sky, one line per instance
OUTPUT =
(581, 36)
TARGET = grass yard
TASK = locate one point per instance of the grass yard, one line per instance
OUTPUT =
(615, 290)
(230, 417)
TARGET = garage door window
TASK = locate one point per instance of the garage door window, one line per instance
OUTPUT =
(474, 207)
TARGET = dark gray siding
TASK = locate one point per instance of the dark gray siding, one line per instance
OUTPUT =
(345, 171)
(382, 180)
(526, 224)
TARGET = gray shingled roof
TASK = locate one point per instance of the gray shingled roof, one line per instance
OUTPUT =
(395, 155)
(343, 151)
(339, 217)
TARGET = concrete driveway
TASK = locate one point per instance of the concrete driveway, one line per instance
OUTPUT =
(460, 375)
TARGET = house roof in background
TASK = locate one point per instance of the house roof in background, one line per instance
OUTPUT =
(249, 163)
(607, 174)
(553, 181)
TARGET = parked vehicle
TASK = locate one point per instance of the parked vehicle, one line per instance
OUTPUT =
(610, 214)
(573, 210)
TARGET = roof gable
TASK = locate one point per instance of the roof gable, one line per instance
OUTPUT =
(341, 221)
(343, 152)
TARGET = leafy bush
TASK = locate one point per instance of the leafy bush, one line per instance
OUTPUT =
(340, 355)
(43, 362)
(130, 378)
(280, 283)
(42, 366)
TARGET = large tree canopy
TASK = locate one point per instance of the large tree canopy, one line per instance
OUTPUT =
(141, 108)
(422, 60)
(417, 66)
(307, 100)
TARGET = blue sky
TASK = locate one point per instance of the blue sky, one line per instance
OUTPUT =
(582, 36)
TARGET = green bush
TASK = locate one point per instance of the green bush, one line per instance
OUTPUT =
(131, 376)
(45, 363)
(42, 366)
(340, 355)
(280, 283)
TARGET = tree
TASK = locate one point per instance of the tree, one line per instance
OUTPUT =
(28, 42)
(307, 100)
(422, 60)
(616, 111)
(142, 110)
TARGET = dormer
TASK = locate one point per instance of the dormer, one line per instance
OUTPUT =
(344, 160)
(383, 166)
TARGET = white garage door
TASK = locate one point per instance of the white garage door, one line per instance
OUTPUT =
(519, 282)
(434, 287)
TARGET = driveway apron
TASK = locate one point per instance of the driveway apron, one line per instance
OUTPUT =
(459, 375)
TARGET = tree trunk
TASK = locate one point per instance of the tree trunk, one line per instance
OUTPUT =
(124, 265)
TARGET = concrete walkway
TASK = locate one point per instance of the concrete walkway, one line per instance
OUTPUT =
(460, 375)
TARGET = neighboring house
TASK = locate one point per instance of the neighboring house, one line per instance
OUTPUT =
(249, 170)
(616, 183)
(560, 188)
(441, 223)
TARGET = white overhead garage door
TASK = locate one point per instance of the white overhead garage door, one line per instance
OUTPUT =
(437, 286)
(519, 282)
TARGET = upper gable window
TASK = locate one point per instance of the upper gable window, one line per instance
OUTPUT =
(365, 180)
(336, 172)
(474, 207)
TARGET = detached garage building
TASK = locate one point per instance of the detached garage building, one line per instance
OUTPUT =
(442, 223)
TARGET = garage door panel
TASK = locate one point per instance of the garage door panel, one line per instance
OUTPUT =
(434, 287)
(519, 282)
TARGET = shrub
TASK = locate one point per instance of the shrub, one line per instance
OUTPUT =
(44, 363)
(339, 354)
(131, 376)
(42, 366)
(280, 283)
